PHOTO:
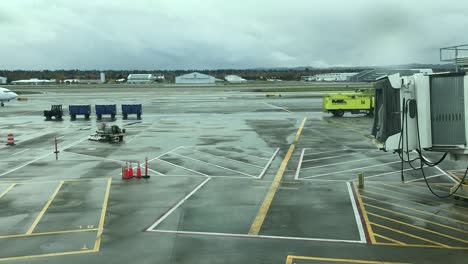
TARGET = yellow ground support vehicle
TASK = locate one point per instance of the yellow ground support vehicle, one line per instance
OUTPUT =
(355, 103)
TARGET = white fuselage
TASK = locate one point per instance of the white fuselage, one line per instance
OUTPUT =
(6, 95)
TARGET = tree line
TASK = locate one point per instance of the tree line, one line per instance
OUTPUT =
(112, 75)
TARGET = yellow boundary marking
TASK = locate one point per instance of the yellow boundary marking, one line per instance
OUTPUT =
(7, 190)
(48, 255)
(416, 210)
(420, 228)
(97, 244)
(99, 229)
(425, 205)
(410, 235)
(51, 233)
(390, 239)
(290, 258)
(364, 214)
(260, 218)
(418, 218)
(44, 209)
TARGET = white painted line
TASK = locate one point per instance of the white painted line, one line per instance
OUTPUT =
(255, 236)
(268, 164)
(233, 152)
(429, 177)
(383, 174)
(221, 157)
(164, 216)
(91, 156)
(275, 106)
(34, 160)
(325, 180)
(331, 157)
(199, 176)
(184, 168)
(357, 216)
(214, 165)
(165, 153)
(19, 152)
(157, 172)
(336, 172)
(323, 152)
(345, 162)
(298, 169)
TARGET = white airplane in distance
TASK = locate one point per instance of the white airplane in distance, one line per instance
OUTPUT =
(6, 95)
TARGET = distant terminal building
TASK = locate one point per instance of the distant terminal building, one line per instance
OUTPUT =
(34, 81)
(234, 79)
(373, 74)
(139, 78)
(102, 77)
(3, 80)
(195, 78)
(309, 78)
(334, 77)
(82, 81)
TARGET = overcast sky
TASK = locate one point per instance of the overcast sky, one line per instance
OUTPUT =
(210, 34)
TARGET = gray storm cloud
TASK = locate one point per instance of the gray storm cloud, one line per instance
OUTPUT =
(208, 34)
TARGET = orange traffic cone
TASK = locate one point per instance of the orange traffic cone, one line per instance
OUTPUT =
(10, 139)
(138, 175)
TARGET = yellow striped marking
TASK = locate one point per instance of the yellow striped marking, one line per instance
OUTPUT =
(416, 210)
(410, 235)
(420, 228)
(44, 209)
(418, 218)
(260, 218)
(103, 216)
(48, 255)
(51, 233)
(418, 245)
(393, 197)
(364, 214)
(7, 190)
(390, 239)
(290, 259)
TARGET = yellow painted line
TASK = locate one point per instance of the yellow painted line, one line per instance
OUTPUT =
(418, 218)
(260, 218)
(420, 228)
(390, 239)
(97, 244)
(410, 235)
(364, 214)
(406, 200)
(46, 206)
(290, 258)
(7, 190)
(418, 245)
(51, 233)
(419, 211)
(48, 255)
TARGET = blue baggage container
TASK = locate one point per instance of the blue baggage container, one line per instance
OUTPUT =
(106, 110)
(75, 110)
(128, 109)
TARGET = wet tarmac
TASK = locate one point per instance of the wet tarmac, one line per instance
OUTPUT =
(236, 177)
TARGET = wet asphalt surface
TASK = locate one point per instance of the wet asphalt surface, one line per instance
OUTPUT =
(213, 157)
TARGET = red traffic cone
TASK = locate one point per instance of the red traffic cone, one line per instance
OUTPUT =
(127, 172)
(130, 171)
(138, 174)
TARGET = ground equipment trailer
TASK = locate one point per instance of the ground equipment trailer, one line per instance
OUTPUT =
(355, 103)
(128, 109)
(55, 111)
(75, 110)
(106, 110)
(108, 133)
